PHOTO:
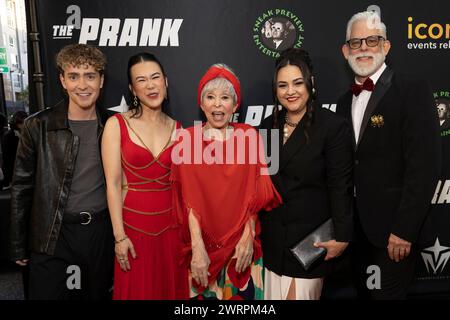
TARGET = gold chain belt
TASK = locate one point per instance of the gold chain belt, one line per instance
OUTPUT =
(148, 213)
(148, 233)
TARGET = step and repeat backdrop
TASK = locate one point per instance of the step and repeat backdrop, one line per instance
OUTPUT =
(189, 36)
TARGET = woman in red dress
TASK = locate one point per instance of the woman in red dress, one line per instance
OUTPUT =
(220, 184)
(136, 152)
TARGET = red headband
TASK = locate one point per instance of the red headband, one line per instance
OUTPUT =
(218, 72)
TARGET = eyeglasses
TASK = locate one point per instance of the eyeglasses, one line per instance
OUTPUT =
(371, 41)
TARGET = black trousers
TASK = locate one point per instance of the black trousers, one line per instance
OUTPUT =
(84, 253)
(395, 277)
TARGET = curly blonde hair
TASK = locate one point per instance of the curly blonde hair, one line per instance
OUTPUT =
(79, 55)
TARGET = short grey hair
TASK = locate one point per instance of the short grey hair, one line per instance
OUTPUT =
(372, 17)
(220, 83)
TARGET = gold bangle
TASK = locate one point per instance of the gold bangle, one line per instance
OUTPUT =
(119, 241)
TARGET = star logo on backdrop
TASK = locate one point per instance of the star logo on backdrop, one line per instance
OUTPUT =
(122, 107)
(436, 257)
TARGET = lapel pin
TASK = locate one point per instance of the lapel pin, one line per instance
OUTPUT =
(377, 121)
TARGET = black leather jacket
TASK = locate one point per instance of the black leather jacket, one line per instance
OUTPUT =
(42, 178)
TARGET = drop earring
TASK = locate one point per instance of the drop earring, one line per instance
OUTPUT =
(313, 90)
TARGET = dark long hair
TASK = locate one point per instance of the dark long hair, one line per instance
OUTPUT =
(301, 59)
(139, 58)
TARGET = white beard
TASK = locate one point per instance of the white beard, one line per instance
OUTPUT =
(364, 71)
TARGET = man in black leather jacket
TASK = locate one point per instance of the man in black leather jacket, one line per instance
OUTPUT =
(60, 224)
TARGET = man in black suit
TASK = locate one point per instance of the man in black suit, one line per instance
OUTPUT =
(443, 109)
(279, 32)
(397, 160)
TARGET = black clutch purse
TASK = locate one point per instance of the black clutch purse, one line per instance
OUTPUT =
(305, 252)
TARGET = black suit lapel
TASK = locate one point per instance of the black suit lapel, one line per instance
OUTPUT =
(346, 105)
(276, 179)
(295, 142)
(383, 84)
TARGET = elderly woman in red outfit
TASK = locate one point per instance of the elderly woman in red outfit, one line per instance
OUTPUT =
(220, 184)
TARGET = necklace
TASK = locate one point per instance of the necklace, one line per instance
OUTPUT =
(289, 123)
(285, 132)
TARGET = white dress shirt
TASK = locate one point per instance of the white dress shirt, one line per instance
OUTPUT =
(359, 103)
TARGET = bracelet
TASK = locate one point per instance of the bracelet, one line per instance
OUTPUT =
(119, 241)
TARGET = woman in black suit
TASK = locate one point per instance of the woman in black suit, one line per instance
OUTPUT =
(314, 180)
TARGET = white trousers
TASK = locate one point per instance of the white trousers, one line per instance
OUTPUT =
(277, 287)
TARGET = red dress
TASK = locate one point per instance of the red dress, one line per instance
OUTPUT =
(150, 224)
